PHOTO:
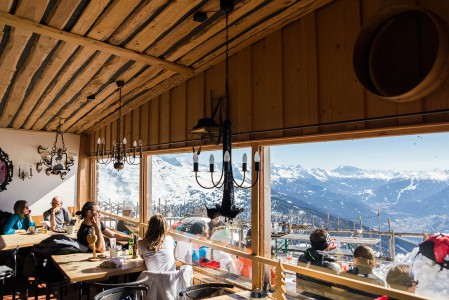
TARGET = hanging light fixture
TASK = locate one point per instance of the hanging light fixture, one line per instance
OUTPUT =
(208, 127)
(57, 161)
(120, 153)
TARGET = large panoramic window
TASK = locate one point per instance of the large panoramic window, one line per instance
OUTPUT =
(177, 195)
(117, 192)
(384, 193)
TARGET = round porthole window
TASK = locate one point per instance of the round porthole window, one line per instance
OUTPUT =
(402, 53)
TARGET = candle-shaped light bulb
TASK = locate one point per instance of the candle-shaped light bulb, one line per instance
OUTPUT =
(245, 162)
(103, 141)
(124, 141)
(226, 161)
(135, 144)
(140, 143)
(195, 162)
(257, 161)
(227, 156)
(211, 163)
(99, 141)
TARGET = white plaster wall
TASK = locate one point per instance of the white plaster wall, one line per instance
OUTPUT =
(21, 146)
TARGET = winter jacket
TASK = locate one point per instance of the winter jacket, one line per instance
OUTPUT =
(16, 222)
(364, 273)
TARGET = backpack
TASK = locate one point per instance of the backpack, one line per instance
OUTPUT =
(436, 248)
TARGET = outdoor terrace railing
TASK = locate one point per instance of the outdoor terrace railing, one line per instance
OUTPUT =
(280, 267)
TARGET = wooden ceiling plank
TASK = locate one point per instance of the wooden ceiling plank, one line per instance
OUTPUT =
(62, 13)
(77, 61)
(234, 29)
(38, 54)
(241, 9)
(111, 19)
(295, 12)
(65, 50)
(91, 43)
(136, 20)
(105, 93)
(36, 57)
(89, 15)
(109, 105)
(45, 78)
(108, 70)
(163, 84)
(75, 86)
(180, 31)
(166, 19)
(17, 42)
(33, 10)
(6, 5)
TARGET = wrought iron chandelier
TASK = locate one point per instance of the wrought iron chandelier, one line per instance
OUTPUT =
(209, 128)
(120, 153)
(57, 161)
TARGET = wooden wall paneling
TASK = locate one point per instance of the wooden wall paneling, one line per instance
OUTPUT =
(135, 125)
(178, 114)
(340, 94)
(268, 94)
(84, 172)
(243, 100)
(214, 86)
(93, 141)
(114, 132)
(154, 122)
(440, 98)
(108, 137)
(195, 102)
(127, 123)
(108, 97)
(300, 82)
(144, 123)
(164, 118)
(233, 91)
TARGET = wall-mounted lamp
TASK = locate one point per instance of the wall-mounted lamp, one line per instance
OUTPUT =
(23, 174)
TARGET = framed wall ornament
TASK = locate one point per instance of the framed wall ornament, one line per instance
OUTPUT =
(6, 170)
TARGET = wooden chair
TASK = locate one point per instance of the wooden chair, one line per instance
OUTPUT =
(106, 286)
(133, 292)
(7, 272)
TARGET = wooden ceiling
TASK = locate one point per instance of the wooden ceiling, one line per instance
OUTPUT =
(55, 54)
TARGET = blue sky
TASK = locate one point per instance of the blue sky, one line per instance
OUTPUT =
(412, 152)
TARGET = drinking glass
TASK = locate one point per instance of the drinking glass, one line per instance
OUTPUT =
(289, 257)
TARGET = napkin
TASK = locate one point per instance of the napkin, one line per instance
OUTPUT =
(115, 262)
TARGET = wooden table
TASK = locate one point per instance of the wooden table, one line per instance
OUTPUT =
(11, 241)
(76, 267)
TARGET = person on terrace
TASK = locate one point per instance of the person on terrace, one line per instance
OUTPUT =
(157, 248)
(401, 277)
(215, 224)
(90, 214)
(21, 220)
(364, 263)
(57, 215)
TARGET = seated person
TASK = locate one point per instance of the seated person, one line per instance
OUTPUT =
(215, 224)
(401, 277)
(21, 220)
(123, 226)
(316, 258)
(200, 229)
(57, 215)
(90, 214)
(157, 248)
(364, 263)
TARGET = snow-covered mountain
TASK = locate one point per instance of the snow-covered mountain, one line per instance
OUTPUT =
(414, 201)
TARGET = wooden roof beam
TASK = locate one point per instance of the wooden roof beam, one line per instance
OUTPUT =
(72, 38)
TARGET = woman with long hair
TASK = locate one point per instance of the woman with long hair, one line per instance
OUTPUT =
(21, 220)
(90, 214)
(157, 248)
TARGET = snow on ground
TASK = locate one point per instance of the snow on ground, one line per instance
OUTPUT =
(433, 282)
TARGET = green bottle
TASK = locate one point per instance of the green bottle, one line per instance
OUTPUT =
(130, 247)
